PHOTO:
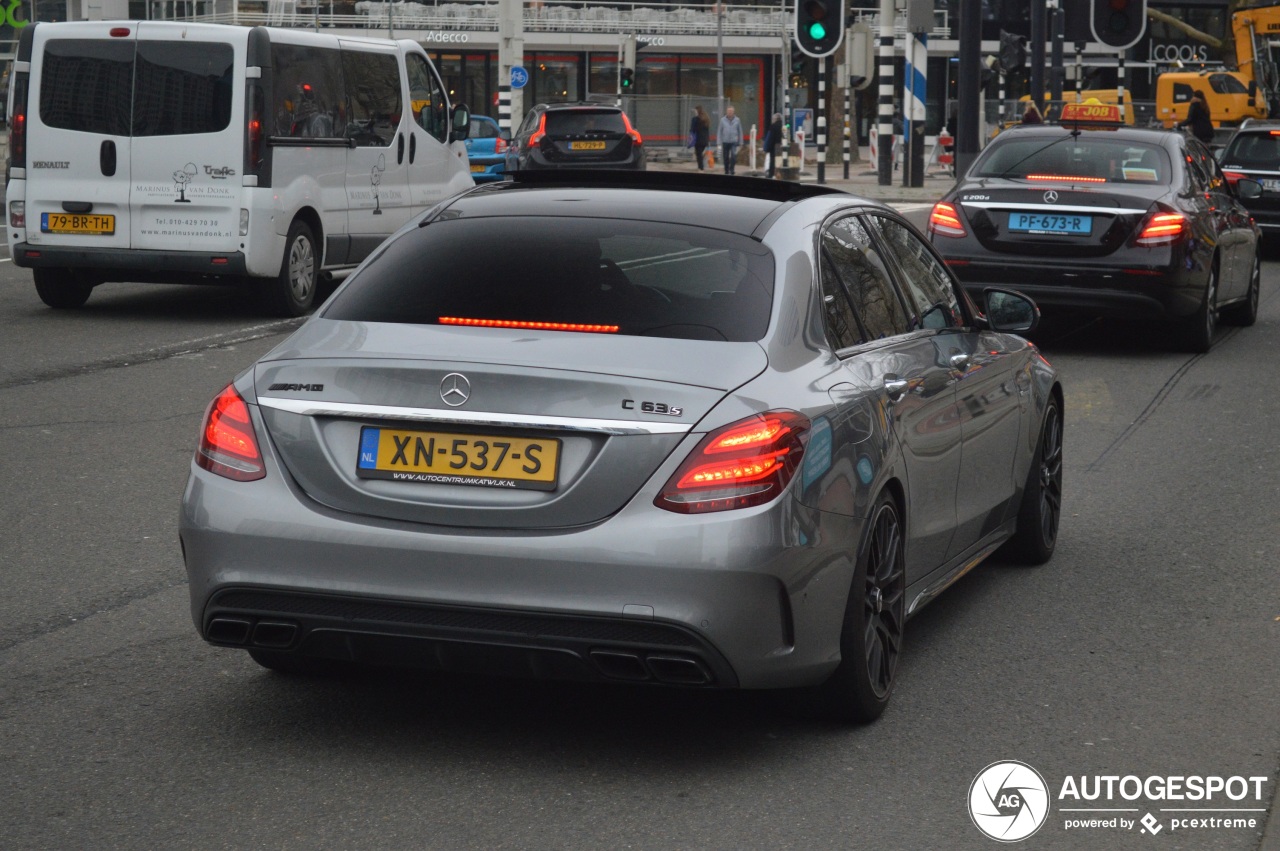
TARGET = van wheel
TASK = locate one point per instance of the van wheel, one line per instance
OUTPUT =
(295, 288)
(61, 288)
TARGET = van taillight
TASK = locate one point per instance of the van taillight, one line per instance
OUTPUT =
(746, 463)
(18, 124)
(253, 132)
(228, 444)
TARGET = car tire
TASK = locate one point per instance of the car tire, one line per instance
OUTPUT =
(294, 290)
(1198, 330)
(1246, 313)
(295, 664)
(1041, 509)
(871, 636)
(61, 288)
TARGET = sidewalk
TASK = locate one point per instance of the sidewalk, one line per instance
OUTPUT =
(863, 179)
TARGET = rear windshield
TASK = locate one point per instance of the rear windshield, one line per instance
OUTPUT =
(1254, 150)
(580, 122)
(1092, 155)
(175, 88)
(634, 278)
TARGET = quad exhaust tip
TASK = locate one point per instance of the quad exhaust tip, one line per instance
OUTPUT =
(242, 631)
(665, 668)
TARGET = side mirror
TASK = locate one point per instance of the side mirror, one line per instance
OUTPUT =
(1248, 189)
(461, 122)
(504, 134)
(1010, 311)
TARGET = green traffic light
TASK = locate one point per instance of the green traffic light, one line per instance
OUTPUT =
(817, 31)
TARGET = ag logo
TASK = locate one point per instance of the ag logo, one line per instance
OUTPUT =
(1008, 801)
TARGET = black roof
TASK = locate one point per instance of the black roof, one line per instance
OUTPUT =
(738, 204)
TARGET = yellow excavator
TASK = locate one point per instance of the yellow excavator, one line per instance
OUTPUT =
(1250, 91)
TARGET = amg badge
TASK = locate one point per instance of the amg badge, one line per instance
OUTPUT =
(309, 387)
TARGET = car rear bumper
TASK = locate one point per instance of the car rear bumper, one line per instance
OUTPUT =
(124, 264)
(751, 598)
(1138, 292)
(536, 160)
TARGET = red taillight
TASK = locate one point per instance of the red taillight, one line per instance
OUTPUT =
(631, 131)
(1160, 228)
(945, 220)
(527, 325)
(540, 132)
(253, 132)
(228, 446)
(499, 145)
(18, 124)
(747, 463)
(119, 32)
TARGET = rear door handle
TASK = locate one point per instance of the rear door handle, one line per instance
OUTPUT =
(413, 148)
(107, 158)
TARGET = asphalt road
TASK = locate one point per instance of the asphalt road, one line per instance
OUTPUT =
(1148, 646)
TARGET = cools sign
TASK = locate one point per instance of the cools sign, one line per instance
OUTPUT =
(1179, 52)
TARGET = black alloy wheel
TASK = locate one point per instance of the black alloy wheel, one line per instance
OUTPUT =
(1041, 508)
(1203, 324)
(1246, 313)
(875, 615)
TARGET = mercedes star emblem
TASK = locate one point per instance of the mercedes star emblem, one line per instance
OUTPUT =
(1051, 197)
(455, 389)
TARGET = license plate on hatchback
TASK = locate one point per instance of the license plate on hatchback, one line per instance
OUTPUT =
(1050, 223)
(586, 146)
(78, 223)
(445, 458)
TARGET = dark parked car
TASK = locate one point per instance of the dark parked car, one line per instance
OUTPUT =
(682, 430)
(1117, 221)
(584, 135)
(1253, 153)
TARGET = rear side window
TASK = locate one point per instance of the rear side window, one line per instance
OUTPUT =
(310, 102)
(635, 278)
(87, 85)
(373, 87)
(182, 88)
(850, 255)
(581, 122)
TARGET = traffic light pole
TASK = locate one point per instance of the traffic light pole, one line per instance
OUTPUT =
(820, 111)
(884, 130)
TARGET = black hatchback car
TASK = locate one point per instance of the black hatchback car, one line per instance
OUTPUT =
(1253, 152)
(1107, 220)
(581, 135)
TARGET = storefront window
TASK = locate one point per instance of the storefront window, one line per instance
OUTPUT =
(554, 78)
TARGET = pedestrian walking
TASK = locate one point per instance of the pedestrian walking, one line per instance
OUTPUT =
(772, 141)
(1198, 120)
(700, 135)
(730, 135)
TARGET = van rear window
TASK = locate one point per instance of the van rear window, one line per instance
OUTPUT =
(175, 88)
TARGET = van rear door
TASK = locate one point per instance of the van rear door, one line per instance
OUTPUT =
(77, 190)
(188, 139)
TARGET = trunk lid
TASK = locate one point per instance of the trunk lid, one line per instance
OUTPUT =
(431, 438)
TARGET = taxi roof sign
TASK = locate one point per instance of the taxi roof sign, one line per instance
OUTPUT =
(1091, 114)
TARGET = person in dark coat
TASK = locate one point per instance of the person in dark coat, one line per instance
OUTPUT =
(772, 141)
(700, 133)
(1198, 120)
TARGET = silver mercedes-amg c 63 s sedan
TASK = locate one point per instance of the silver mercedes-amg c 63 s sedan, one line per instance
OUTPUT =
(686, 430)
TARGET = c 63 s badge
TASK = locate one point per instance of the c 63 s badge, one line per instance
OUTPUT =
(653, 408)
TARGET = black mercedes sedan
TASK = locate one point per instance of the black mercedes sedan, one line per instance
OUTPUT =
(1106, 220)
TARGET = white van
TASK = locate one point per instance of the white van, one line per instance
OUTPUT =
(173, 152)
